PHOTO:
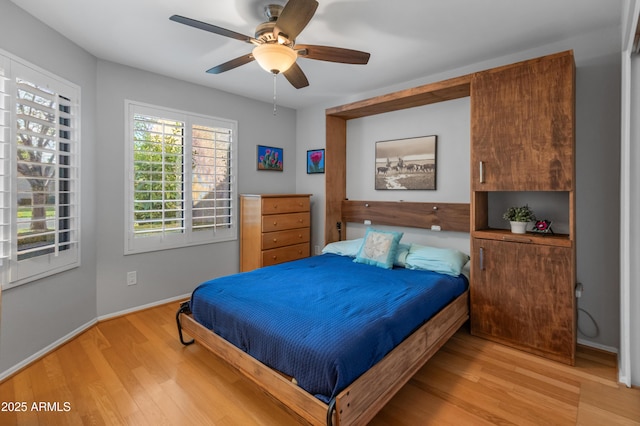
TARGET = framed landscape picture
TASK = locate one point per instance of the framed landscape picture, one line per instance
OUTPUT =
(270, 158)
(406, 163)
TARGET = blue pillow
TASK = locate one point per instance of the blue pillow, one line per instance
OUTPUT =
(348, 248)
(379, 248)
(443, 260)
(401, 255)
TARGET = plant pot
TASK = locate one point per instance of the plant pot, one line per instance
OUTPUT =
(518, 227)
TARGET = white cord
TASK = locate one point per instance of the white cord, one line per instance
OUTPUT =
(274, 93)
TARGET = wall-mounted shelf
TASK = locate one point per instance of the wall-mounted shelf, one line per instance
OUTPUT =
(558, 240)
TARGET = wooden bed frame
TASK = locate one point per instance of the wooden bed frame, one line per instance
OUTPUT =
(360, 401)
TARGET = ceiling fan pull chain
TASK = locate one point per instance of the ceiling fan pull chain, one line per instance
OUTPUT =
(274, 93)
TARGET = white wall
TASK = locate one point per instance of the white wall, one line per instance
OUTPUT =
(37, 314)
(169, 273)
(597, 56)
(598, 198)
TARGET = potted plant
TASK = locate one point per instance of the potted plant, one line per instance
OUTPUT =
(518, 217)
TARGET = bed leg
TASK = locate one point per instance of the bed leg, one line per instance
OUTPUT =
(184, 308)
(330, 410)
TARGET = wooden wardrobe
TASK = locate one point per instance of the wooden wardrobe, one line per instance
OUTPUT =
(522, 140)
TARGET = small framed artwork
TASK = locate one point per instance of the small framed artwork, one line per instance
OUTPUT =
(270, 158)
(315, 161)
(406, 163)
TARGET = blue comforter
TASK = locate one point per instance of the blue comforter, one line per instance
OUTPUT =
(323, 320)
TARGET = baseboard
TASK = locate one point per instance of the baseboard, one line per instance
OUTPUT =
(53, 346)
(143, 307)
(598, 346)
(24, 363)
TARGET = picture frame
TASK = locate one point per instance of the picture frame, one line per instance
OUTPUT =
(270, 158)
(315, 161)
(406, 164)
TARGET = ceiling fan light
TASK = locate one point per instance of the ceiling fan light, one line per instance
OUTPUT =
(274, 58)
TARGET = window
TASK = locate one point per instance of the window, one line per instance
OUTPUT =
(39, 173)
(181, 189)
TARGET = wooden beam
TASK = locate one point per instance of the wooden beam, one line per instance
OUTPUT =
(455, 88)
(335, 176)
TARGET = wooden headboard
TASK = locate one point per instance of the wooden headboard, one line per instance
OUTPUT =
(448, 216)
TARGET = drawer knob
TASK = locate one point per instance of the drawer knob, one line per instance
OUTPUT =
(275, 223)
(275, 240)
(300, 220)
(275, 257)
(299, 235)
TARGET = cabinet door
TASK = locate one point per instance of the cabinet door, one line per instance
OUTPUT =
(522, 295)
(522, 119)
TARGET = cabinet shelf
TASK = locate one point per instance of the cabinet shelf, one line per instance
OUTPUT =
(557, 240)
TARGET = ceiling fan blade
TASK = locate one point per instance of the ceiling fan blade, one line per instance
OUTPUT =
(294, 17)
(296, 77)
(213, 29)
(234, 63)
(332, 54)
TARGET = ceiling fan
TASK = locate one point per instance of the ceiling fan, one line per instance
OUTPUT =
(274, 42)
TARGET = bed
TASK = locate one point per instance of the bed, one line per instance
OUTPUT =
(331, 337)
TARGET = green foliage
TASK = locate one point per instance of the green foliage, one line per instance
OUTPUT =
(157, 173)
(519, 214)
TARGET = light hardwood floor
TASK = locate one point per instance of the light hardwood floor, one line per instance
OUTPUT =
(133, 370)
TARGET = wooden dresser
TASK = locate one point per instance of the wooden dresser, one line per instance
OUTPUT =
(274, 228)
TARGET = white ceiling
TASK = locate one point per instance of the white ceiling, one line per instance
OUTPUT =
(407, 39)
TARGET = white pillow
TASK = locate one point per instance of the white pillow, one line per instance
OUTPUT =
(348, 248)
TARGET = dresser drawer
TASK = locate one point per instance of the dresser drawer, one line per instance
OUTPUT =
(285, 238)
(281, 222)
(285, 254)
(285, 205)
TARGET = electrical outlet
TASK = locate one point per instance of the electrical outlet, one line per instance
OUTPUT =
(132, 278)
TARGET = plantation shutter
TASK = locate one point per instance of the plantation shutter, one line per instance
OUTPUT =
(46, 130)
(5, 176)
(158, 187)
(211, 186)
(181, 189)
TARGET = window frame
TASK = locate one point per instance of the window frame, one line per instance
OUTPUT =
(187, 238)
(16, 272)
